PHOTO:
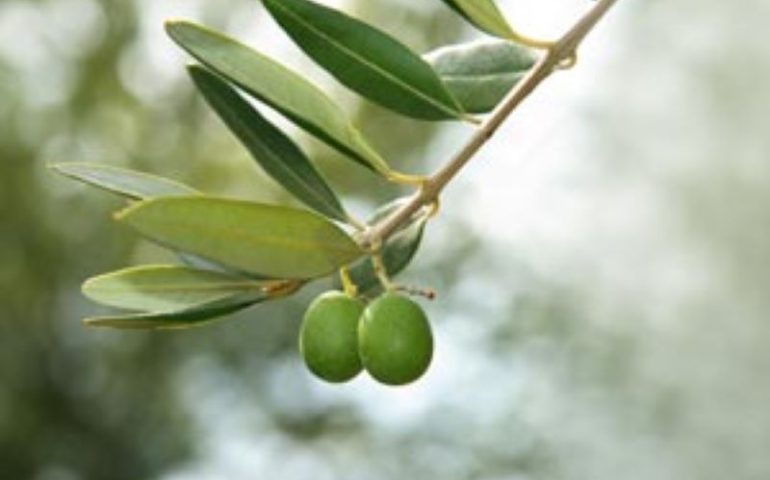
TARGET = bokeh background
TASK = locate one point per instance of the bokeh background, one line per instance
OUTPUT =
(603, 266)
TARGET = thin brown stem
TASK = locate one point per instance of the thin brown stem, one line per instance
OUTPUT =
(562, 49)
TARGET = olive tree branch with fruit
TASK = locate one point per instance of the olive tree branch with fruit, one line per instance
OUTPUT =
(234, 254)
(563, 50)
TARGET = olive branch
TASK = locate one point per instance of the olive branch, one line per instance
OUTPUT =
(233, 253)
(561, 53)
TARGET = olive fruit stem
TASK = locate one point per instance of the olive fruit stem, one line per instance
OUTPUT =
(558, 55)
(381, 270)
(348, 285)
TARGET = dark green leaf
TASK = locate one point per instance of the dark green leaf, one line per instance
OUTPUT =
(397, 253)
(483, 14)
(128, 183)
(279, 242)
(366, 60)
(275, 152)
(165, 288)
(287, 92)
(183, 318)
(480, 74)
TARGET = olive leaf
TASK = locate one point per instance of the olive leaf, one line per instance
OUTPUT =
(165, 288)
(135, 185)
(170, 296)
(185, 317)
(128, 183)
(276, 241)
(479, 74)
(484, 15)
(278, 155)
(277, 86)
(368, 61)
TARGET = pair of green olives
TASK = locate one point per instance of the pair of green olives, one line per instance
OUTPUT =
(391, 338)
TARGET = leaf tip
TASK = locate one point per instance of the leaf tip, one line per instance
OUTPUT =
(85, 287)
(174, 27)
(171, 23)
(96, 322)
(193, 68)
(63, 168)
(198, 73)
(107, 322)
(59, 169)
(117, 323)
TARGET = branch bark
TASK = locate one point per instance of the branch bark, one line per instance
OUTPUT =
(563, 50)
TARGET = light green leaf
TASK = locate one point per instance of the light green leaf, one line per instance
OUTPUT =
(480, 74)
(284, 90)
(484, 14)
(183, 318)
(164, 288)
(275, 152)
(128, 183)
(276, 241)
(135, 186)
(397, 253)
(366, 60)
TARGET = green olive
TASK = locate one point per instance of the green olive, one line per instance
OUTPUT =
(395, 340)
(328, 339)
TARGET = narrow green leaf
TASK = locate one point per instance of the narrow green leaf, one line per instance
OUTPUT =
(183, 318)
(128, 183)
(397, 253)
(484, 14)
(137, 186)
(282, 89)
(480, 74)
(165, 288)
(281, 158)
(276, 241)
(366, 60)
